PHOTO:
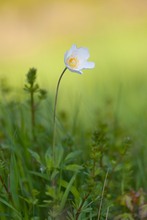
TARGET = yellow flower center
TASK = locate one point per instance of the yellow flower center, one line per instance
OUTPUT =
(73, 62)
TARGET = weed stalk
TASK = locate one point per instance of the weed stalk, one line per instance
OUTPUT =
(102, 196)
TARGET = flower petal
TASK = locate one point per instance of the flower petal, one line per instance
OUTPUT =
(75, 70)
(70, 51)
(86, 65)
(89, 65)
(75, 59)
(83, 52)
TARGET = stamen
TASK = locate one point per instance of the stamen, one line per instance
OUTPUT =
(73, 62)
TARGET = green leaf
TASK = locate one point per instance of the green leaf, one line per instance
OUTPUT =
(49, 160)
(35, 155)
(54, 174)
(125, 216)
(11, 207)
(42, 94)
(73, 167)
(36, 88)
(26, 88)
(59, 152)
(68, 189)
(73, 190)
(30, 200)
(72, 156)
(14, 179)
(41, 175)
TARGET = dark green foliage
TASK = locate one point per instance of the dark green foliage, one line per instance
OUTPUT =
(31, 77)
(91, 177)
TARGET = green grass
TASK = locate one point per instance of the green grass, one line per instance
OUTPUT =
(91, 140)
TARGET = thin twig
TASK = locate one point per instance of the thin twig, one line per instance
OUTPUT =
(101, 201)
(32, 112)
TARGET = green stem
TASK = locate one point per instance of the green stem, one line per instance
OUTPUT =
(5, 187)
(102, 196)
(32, 112)
(54, 115)
(81, 206)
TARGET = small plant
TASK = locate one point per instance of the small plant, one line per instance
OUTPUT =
(32, 88)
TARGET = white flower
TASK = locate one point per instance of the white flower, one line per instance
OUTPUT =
(75, 59)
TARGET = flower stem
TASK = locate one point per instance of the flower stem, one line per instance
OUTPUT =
(54, 115)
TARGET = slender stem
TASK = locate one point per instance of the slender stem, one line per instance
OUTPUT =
(101, 201)
(54, 115)
(5, 187)
(107, 213)
(32, 112)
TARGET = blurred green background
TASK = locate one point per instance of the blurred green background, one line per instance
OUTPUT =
(37, 33)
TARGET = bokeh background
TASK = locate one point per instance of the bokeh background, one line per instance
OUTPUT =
(36, 33)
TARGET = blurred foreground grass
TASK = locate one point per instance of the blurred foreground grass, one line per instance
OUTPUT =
(99, 160)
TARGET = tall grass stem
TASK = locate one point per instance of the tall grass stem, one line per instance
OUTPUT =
(102, 196)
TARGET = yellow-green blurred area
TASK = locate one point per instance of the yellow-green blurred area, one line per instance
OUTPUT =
(38, 33)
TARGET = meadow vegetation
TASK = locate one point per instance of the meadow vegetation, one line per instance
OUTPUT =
(99, 167)
(96, 173)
